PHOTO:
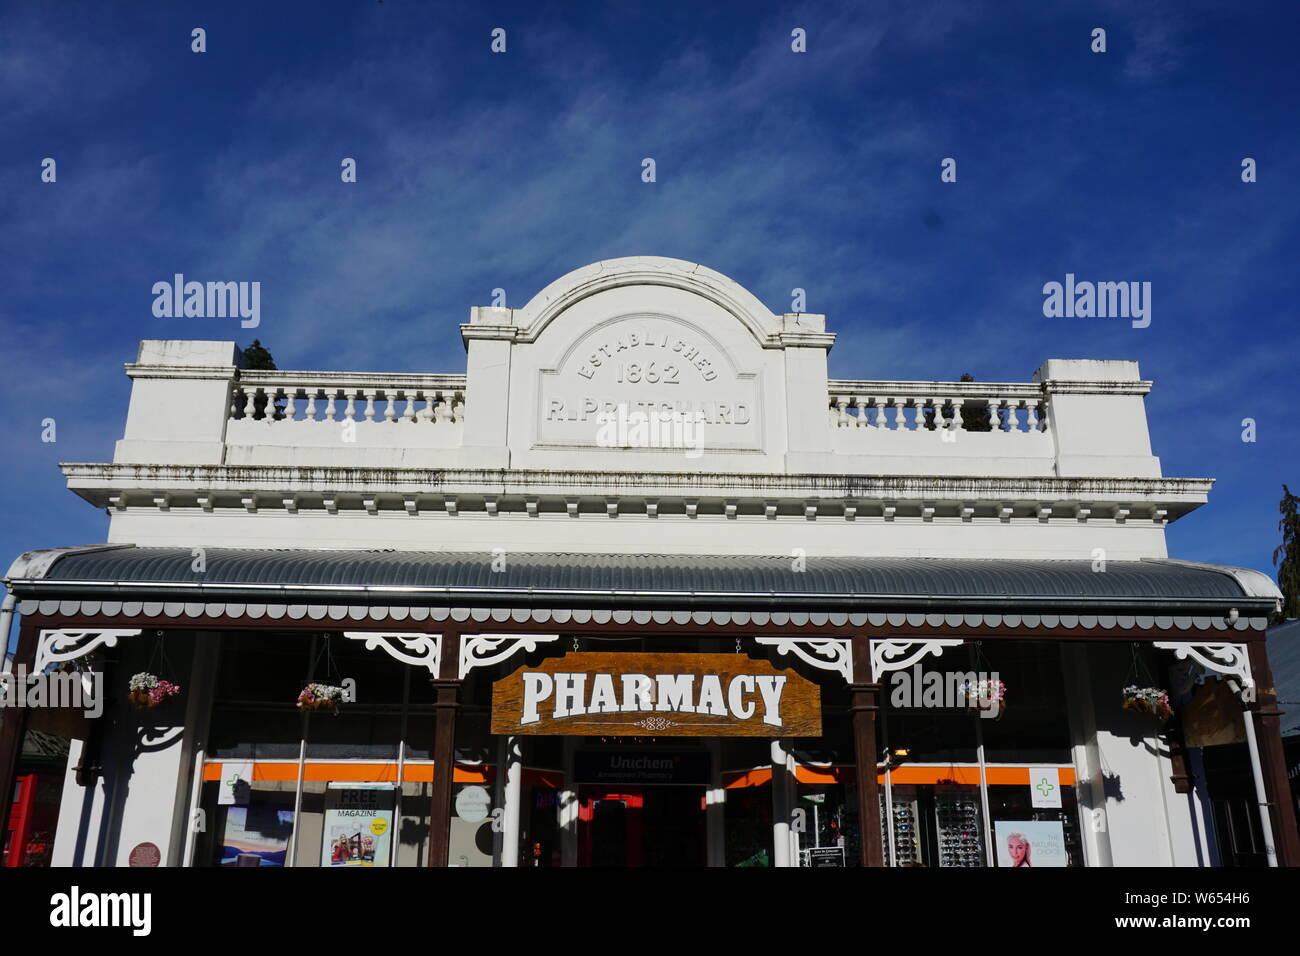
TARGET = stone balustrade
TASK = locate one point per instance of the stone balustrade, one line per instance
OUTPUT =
(290, 396)
(1007, 407)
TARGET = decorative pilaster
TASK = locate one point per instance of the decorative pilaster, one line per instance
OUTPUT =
(864, 704)
(446, 704)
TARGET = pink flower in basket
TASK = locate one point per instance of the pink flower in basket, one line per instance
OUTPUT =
(147, 690)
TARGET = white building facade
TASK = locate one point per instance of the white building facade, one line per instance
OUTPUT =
(643, 472)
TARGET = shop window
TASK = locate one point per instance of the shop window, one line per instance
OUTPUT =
(828, 825)
(258, 680)
(473, 842)
(414, 803)
(1034, 727)
(1037, 836)
(748, 826)
(369, 726)
(539, 830)
(932, 736)
(933, 825)
(255, 831)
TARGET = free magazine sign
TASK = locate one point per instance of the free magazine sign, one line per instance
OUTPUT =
(358, 824)
(664, 695)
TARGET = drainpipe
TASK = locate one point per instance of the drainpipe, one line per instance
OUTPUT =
(1257, 771)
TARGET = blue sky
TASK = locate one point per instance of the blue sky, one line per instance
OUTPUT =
(816, 170)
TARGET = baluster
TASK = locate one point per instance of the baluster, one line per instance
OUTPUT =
(445, 400)
(841, 407)
(369, 394)
(1043, 415)
(878, 403)
(309, 415)
(408, 414)
(350, 413)
(1013, 420)
(290, 394)
(390, 404)
(236, 401)
(897, 404)
(330, 411)
(995, 420)
(458, 407)
(430, 412)
(1031, 416)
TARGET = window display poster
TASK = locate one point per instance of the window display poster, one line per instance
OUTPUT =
(1030, 843)
(256, 835)
(236, 784)
(358, 824)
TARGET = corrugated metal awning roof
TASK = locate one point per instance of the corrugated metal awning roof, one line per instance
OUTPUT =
(350, 575)
(1284, 662)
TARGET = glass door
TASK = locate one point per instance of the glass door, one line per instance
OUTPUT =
(611, 826)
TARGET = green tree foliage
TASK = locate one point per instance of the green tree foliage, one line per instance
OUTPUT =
(1287, 555)
(976, 416)
(258, 359)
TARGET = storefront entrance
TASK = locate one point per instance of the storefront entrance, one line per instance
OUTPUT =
(641, 826)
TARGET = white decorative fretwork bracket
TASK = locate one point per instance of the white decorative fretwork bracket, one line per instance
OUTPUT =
(824, 653)
(416, 649)
(484, 650)
(898, 655)
(1230, 660)
(58, 645)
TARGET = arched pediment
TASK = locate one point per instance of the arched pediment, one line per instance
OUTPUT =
(566, 291)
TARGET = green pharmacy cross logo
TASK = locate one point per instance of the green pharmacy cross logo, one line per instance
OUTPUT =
(1045, 787)
(234, 782)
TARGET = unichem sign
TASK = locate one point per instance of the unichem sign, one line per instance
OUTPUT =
(668, 694)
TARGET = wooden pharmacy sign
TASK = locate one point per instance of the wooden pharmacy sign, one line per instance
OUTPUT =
(667, 695)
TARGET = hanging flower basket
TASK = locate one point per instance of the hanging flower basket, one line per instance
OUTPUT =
(1148, 700)
(320, 697)
(147, 690)
(982, 695)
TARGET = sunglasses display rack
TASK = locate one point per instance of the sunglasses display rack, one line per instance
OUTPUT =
(907, 842)
(958, 828)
